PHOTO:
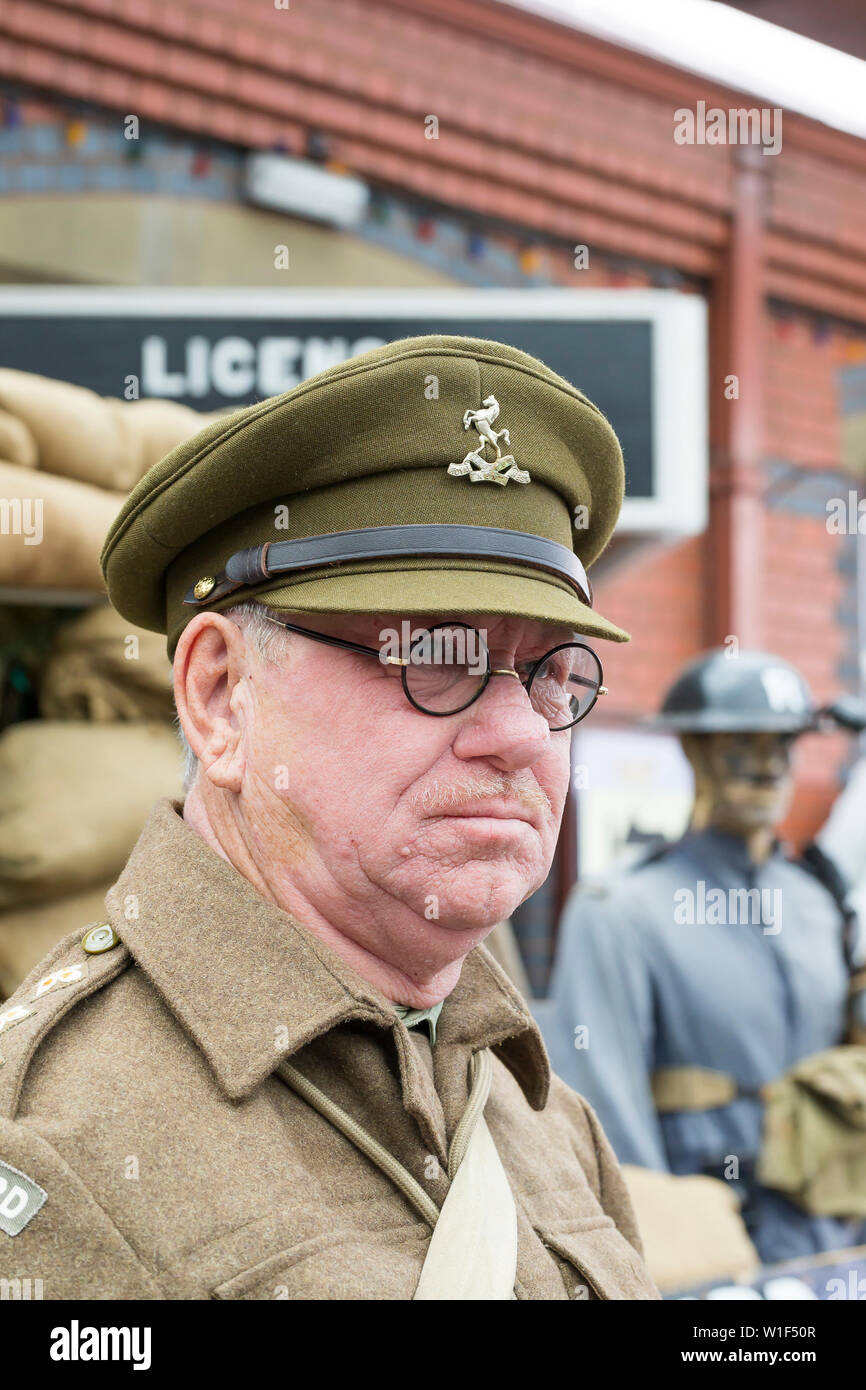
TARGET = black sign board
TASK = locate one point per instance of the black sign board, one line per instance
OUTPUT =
(640, 355)
(229, 359)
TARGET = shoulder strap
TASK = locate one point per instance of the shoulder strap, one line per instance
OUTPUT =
(79, 965)
(822, 867)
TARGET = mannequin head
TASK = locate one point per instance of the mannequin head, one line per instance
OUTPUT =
(743, 783)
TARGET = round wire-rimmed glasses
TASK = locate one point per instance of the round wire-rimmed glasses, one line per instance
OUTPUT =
(448, 668)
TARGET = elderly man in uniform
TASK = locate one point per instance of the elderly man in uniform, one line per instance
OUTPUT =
(284, 1066)
(717, 965)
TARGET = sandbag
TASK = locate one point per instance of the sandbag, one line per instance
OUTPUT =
(102, 668)
(73, 800)
(29, 933)
(77, 434)
(691, 1229)
(150, 429)
(52, 530)
(17, 444)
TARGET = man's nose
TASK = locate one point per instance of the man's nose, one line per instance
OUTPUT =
(502, 726)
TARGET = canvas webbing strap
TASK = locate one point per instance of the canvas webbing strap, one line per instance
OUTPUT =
(473, 1249)
(692, 1088)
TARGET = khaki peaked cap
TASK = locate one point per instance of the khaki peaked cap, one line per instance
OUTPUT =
(367, 444)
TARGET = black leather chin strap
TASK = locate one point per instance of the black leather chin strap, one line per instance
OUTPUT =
(253, 566)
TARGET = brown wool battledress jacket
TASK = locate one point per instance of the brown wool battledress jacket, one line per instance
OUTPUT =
(138, 1092)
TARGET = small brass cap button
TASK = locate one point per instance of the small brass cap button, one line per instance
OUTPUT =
(204, 586)
(99, 939)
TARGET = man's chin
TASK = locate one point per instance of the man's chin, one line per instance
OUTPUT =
(477, 912)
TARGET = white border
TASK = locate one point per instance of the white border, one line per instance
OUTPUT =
(680, 374)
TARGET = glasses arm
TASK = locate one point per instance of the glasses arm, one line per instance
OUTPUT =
(336, 641)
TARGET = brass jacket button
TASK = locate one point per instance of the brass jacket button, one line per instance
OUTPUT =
(99, 939)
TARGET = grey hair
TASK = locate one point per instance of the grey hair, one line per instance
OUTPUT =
(267, 640)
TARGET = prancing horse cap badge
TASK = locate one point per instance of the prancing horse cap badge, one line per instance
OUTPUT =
(488, 470)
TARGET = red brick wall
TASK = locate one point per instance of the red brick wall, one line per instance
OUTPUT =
(806, 584)
(658, 598)
(659, 594)
(801, 401)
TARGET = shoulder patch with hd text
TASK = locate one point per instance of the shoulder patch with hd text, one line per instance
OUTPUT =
(20, 1199)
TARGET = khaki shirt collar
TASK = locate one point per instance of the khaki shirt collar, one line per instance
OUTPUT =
(251, 985)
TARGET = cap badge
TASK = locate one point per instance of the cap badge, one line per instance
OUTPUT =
(497, 469)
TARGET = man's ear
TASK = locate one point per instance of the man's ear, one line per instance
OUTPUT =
(209, 664)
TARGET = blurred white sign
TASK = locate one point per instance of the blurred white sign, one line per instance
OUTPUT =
(634, 789)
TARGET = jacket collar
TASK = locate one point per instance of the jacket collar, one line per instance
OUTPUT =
(251, 985)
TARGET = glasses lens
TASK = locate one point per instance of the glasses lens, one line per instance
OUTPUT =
(448, 669)
(564, 686)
